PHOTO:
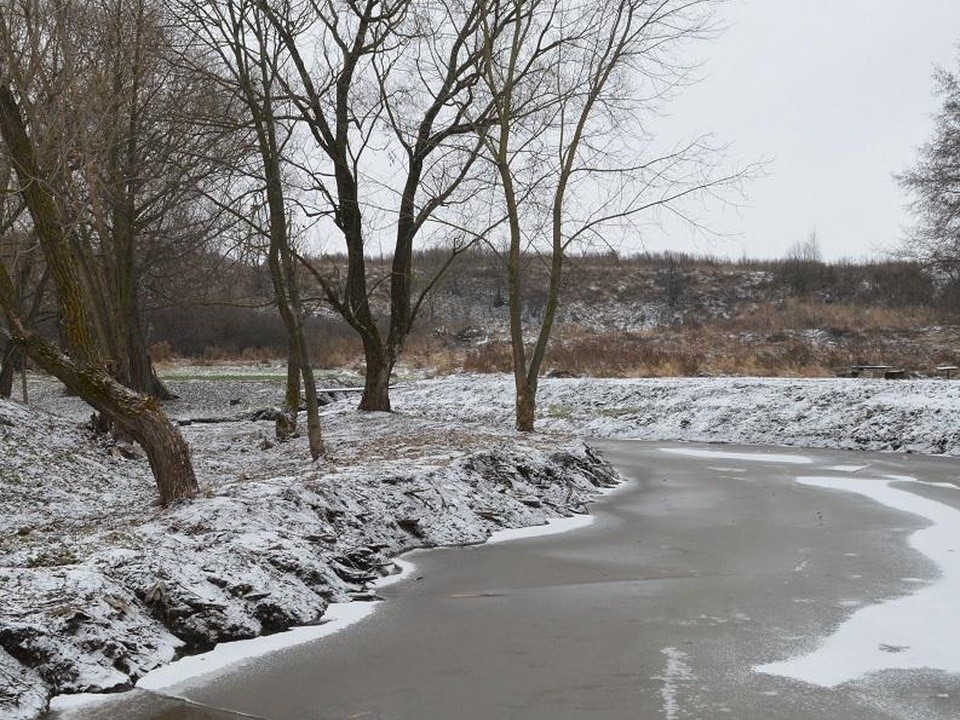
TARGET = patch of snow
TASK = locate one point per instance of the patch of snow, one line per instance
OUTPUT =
(406, 569)
(922, 627)
(846, 468)
(749, 457)
(23, 694)
(842, 413)
(675, 675)
(552, 527)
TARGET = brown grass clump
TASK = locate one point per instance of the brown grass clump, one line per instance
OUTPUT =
(836, 318)
(216, 354)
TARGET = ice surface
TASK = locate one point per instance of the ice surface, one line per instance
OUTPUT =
(918, 631)
(749, 457)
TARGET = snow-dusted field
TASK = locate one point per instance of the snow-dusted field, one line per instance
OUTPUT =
(858, 414)
(100, 586)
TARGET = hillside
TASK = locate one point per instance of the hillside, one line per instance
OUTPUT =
(647, 315)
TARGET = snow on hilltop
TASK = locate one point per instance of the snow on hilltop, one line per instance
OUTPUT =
(99, 585)
(858, 414)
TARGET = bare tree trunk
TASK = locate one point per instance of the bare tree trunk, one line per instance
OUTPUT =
(299, 337)
(376, 385)
(287, 293)
(286, 425)
(142, 375)
(526, 406)
(138, 415)
(83, 371)
(7, 370)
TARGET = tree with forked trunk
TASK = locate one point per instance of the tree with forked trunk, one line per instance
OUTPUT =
(242, 48)
(383, 85)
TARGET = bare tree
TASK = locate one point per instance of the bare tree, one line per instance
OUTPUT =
(935, 184)
(148, 165)
(244, 51)
(803, 269)
(83, 370)
(127, 133)
(570, 83)
(387, 91)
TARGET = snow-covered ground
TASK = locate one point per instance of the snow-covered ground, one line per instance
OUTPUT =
(858, 414)
(101, 586)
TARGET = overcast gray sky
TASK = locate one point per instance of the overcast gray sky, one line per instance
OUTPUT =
(838, 94)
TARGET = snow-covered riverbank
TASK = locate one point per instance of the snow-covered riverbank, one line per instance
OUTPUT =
(856, 414)
(100, 586)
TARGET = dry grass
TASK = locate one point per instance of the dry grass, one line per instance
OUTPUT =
(793, 337)
(163, 352)
(215, 354)
(797, 338)
(834, 318)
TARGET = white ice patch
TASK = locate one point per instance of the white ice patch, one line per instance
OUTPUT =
(553, 527)
(930, 483)
(749, 457)
(188, 669)
(912, 632)
(675, 675)
(338, 617)
(64, 706)
(847, 468)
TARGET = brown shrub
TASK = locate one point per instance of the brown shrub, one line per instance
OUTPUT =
(161, 352)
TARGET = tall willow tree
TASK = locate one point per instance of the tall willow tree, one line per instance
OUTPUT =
(82, 369)
(571, 84)
(128, 136)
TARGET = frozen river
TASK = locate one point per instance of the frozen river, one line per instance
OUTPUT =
(721, 582)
